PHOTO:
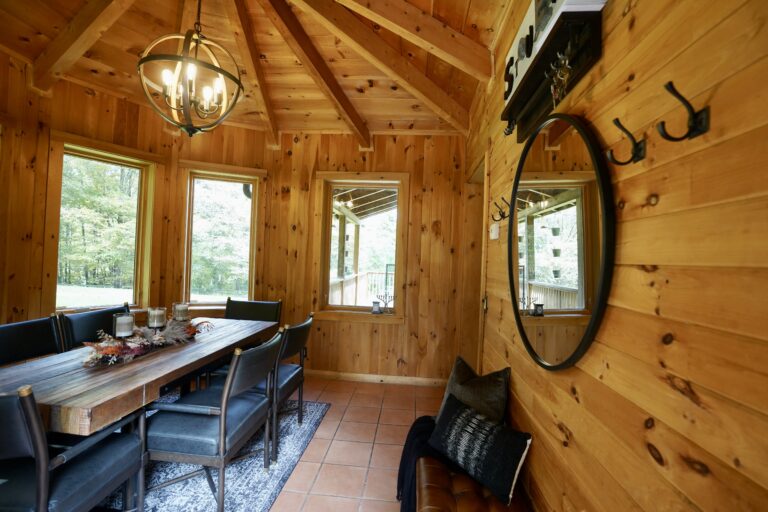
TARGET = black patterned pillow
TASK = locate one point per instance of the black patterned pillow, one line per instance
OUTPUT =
(490, 453)
(487, 394)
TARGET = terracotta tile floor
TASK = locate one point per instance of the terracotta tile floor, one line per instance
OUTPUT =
(351, 462)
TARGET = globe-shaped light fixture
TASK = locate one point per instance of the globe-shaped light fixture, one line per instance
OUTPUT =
(191, 81)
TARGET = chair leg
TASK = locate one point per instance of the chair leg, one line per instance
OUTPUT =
(275, 422)
(140, 476)
(301, 401)
(140, 491)
(266, 438)
(220, 498)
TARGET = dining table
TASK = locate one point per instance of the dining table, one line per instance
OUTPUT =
(81, 400)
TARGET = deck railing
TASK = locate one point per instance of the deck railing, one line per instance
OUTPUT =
(360, 289)
(553, 296)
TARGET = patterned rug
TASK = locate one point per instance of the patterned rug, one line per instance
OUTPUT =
(249, 487)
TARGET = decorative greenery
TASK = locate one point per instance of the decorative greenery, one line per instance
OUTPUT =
(110, 350)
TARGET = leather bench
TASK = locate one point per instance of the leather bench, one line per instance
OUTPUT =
(440, 489)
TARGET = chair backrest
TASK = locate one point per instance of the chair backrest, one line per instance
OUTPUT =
(264, 310)
(252, 366)
(80, 327)
(26, 340)
(295, 338)
(23, 436)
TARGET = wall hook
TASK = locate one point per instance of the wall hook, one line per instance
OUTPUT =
(698, 122)
(502, 213)
(638, 147)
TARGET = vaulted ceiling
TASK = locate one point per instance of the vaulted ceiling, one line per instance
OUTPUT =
(359, 66)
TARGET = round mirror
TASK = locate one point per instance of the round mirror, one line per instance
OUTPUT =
(560, 241)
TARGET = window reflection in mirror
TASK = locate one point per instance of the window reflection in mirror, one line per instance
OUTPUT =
(551, 254)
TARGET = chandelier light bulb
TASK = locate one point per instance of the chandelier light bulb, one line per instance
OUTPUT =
(191, 71)
(167, 77)
(207, 95)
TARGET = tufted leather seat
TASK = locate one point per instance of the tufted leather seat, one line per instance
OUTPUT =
(439, 489)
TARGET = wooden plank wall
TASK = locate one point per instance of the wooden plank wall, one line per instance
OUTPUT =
(444, 227)
(441, 230)
(668, 410)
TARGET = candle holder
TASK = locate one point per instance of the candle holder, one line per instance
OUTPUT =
(156, 318)
(180, 311)
(386, 298)
(122, 325)
(376, 310)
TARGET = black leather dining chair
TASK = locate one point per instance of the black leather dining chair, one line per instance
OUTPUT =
(28, 340)
(208, 427)
(75, 480)
(76, 328)
(289, 376)
(264, 310)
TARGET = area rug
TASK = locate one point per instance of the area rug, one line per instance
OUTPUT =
(249, 487)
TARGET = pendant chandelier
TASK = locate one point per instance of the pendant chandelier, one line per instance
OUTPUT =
(191, 81)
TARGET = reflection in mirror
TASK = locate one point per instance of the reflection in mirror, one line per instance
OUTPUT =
(556, 261)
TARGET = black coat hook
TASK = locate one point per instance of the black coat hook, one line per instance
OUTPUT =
(698, 122)
(638, 147)
(502, 213)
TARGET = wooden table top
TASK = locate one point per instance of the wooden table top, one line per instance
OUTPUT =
(78, 400)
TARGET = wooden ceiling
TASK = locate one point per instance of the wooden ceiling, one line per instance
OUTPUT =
(359, 66)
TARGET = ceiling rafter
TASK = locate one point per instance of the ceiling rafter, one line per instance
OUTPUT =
(244, 34)
(356, 34)
(300, 43)
(431, 34)
(87, 27)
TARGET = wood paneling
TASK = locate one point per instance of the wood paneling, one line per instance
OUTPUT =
(442, 238)
(109, 63)
(667, 409)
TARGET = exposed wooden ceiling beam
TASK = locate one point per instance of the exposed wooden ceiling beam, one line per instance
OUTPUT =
(87, 27)
(241, 25)
(431, 34)
(186, 15)
(369, 45)
(300, 43)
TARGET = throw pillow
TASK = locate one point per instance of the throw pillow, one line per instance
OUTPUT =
(487, 394)
(490, 453)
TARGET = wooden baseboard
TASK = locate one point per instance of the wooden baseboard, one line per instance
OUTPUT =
(367, 377)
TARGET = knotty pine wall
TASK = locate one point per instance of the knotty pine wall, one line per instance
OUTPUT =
(444, 226)
(668, 410)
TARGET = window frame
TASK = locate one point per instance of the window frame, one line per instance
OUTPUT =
(324, 184)
(588, 223)
(144, 213)
(253, 178)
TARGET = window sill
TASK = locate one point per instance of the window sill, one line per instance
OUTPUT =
(364, 317)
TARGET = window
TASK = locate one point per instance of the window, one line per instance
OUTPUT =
(550, 240)
(221, 251)
(98, 232)
(364, 243)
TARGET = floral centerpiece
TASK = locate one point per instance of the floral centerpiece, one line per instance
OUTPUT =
(110, 350)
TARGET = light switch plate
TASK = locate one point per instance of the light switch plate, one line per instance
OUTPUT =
(493, 232)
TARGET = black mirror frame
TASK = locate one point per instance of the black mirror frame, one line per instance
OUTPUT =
(607, 244)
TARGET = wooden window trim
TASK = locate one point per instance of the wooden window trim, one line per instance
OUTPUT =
(323, 183)
(62, 144)
(234, 174)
